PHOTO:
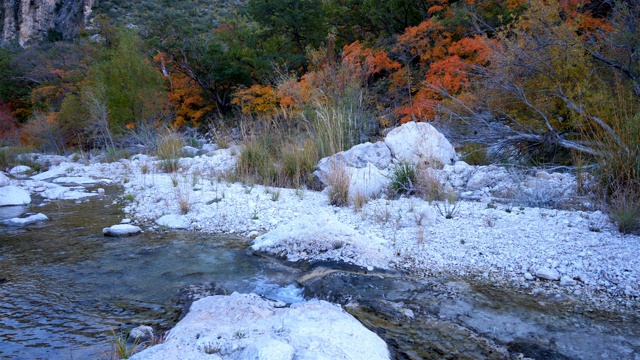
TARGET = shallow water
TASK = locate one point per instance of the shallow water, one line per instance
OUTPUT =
(64, 287)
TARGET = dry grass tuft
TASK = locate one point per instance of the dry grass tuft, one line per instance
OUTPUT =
(428, 185)
(339, 181)
(359, 200)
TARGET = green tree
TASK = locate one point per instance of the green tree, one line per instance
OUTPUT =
(126, 82)
(290, 26)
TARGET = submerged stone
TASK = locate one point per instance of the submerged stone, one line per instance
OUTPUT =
(121, 230)
(21, 221)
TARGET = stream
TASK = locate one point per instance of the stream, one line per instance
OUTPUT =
(65, 289)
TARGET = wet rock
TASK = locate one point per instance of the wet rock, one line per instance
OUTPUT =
(141, 333)
(245, 326)
(535, 351)
(121, 230)
(549, 274)
(13, 195)
(30, 219)
(420, 144)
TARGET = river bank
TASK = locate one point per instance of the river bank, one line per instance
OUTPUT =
(579, 254)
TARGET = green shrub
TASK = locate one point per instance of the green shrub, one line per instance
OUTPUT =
(115, 154)
(624, 209)
(256, 163)
(474, 154)
(298, 163)
(403, 179)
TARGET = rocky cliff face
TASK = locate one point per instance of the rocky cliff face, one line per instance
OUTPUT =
(29, 21)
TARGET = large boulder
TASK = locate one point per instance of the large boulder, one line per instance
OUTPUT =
(357, 157)
(245, 326)
(13, 195)
(368, 181)
(320, 237)
(420, 144)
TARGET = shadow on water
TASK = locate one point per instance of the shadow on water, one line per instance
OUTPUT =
(64, 286)
(446, 318)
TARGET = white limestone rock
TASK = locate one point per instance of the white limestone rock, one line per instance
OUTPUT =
(59, 192)
(245, 326)
(20, 170)
(189, 151)
(322, 236)
(547, 273)
(567, 281)
(4, 180)
(369, 181)
(21, 221)
(487, 176)
(74, 180)
(121, 230)
(13, 195)
(420, 144)
(208, 149)
(53, 172)
(174, 221)
(365, 155)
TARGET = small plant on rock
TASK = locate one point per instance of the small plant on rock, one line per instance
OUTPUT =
(184, 203)
(359, 200)
(121, 348)
(449, 208)
(403, 179)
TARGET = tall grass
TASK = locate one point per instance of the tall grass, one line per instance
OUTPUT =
(618, 170)
(169, 150)
(339, 181)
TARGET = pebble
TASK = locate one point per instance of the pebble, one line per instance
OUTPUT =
(547, 273)
(528, 276)
(567, 281)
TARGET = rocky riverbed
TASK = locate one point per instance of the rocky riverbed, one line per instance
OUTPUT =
(506, 230)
